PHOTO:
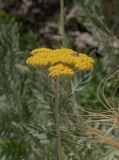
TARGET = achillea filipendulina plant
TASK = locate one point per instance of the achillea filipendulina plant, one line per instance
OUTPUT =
(60, 62)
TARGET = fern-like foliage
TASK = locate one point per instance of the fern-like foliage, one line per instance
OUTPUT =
(16, 142)
(12, 139)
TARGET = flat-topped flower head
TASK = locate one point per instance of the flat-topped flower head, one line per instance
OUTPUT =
(59, 62)
(59, 70)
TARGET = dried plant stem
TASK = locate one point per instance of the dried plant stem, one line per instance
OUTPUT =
(57, 118)
(103, 137)
(62, 27)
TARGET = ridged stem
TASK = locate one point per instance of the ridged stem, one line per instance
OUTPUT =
(57, 119)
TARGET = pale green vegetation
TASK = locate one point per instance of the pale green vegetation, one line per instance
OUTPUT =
(89, 103)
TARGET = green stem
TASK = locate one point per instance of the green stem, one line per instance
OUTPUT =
(57, 118)
(62, 28)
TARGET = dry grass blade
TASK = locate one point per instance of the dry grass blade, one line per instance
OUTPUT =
(103, 137)
(101, 89)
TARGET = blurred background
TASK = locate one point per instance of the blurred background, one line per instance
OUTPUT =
(27, 130)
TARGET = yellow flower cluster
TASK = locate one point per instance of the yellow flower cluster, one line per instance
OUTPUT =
(60, 69)
(62, 61)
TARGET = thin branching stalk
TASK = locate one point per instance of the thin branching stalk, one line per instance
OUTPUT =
(62, 23)
(57, 118)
